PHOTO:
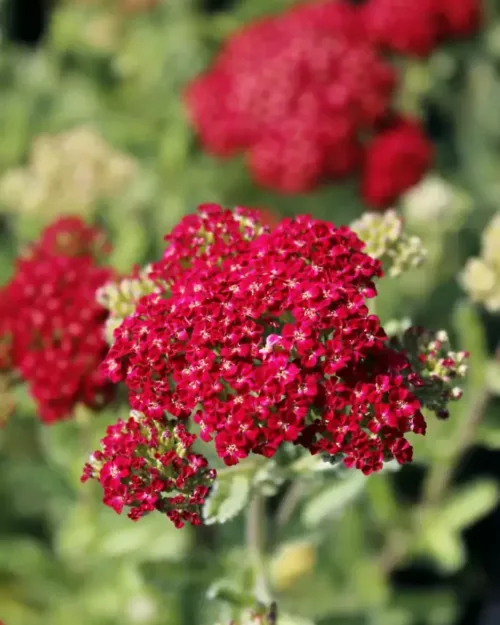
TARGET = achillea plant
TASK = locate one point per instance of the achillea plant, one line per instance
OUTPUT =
(52, 326)
(261, 339)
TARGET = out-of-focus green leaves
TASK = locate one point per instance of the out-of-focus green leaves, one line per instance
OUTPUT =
(229, 495)
(468, 504)
(95, 532)
(441, 535)
(444, 546)
(287, 619)
(333, 499)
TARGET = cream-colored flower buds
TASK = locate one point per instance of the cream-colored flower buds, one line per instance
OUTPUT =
(121, 297)
(481, 276)
(67, 173)
(386, 240)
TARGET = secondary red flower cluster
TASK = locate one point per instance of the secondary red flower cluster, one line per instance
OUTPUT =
(302, 94)
(417, 28)
(143, 461)
(261, 338)
(50, 324)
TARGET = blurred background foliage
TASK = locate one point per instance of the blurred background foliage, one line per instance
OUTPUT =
(418, 546)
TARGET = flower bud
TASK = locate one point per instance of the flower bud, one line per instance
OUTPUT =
(480, 277)
(386, 240)
(435, 202)
(121, 298)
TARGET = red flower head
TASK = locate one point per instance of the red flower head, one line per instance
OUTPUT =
(200, 241)
(70, 236)
(56, 326)
(274, 345)
(401, 26)
(295, 92)
(147, 464)
(396, 160)
(417, 28)
(459, 19)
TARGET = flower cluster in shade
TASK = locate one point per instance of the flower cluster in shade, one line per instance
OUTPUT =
(385, 238)
(418, 28)
(71, 171)
(308, 98)
(480, 277)
(51, 327)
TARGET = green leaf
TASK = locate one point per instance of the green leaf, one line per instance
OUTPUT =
(489, 437)
(445, 546)
(64, 448)
(383, 501)
(153, 539)
(333, 499)
(392, 616)
(22, 556)
(76, 536)
(229, 592)
(319, 597)
(469, 504)
(371, 584)
(434, 607)
(493, 377)
(228, 497)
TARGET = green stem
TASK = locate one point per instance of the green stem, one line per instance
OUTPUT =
(257, 543)
(290, 502)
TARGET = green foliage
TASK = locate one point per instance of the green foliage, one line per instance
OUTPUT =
(227, 499)
(332, 499)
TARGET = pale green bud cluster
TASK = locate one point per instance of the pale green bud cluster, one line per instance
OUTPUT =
(385, 239)
(481, 275)
(435, 203)
(121, 298)
(66, 173)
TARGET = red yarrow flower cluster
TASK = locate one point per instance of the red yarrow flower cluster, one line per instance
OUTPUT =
(200, 242)
(297, 93)
(395, 160)
(274, 345)
(143, 461)
(53, 326)
(417, 28)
